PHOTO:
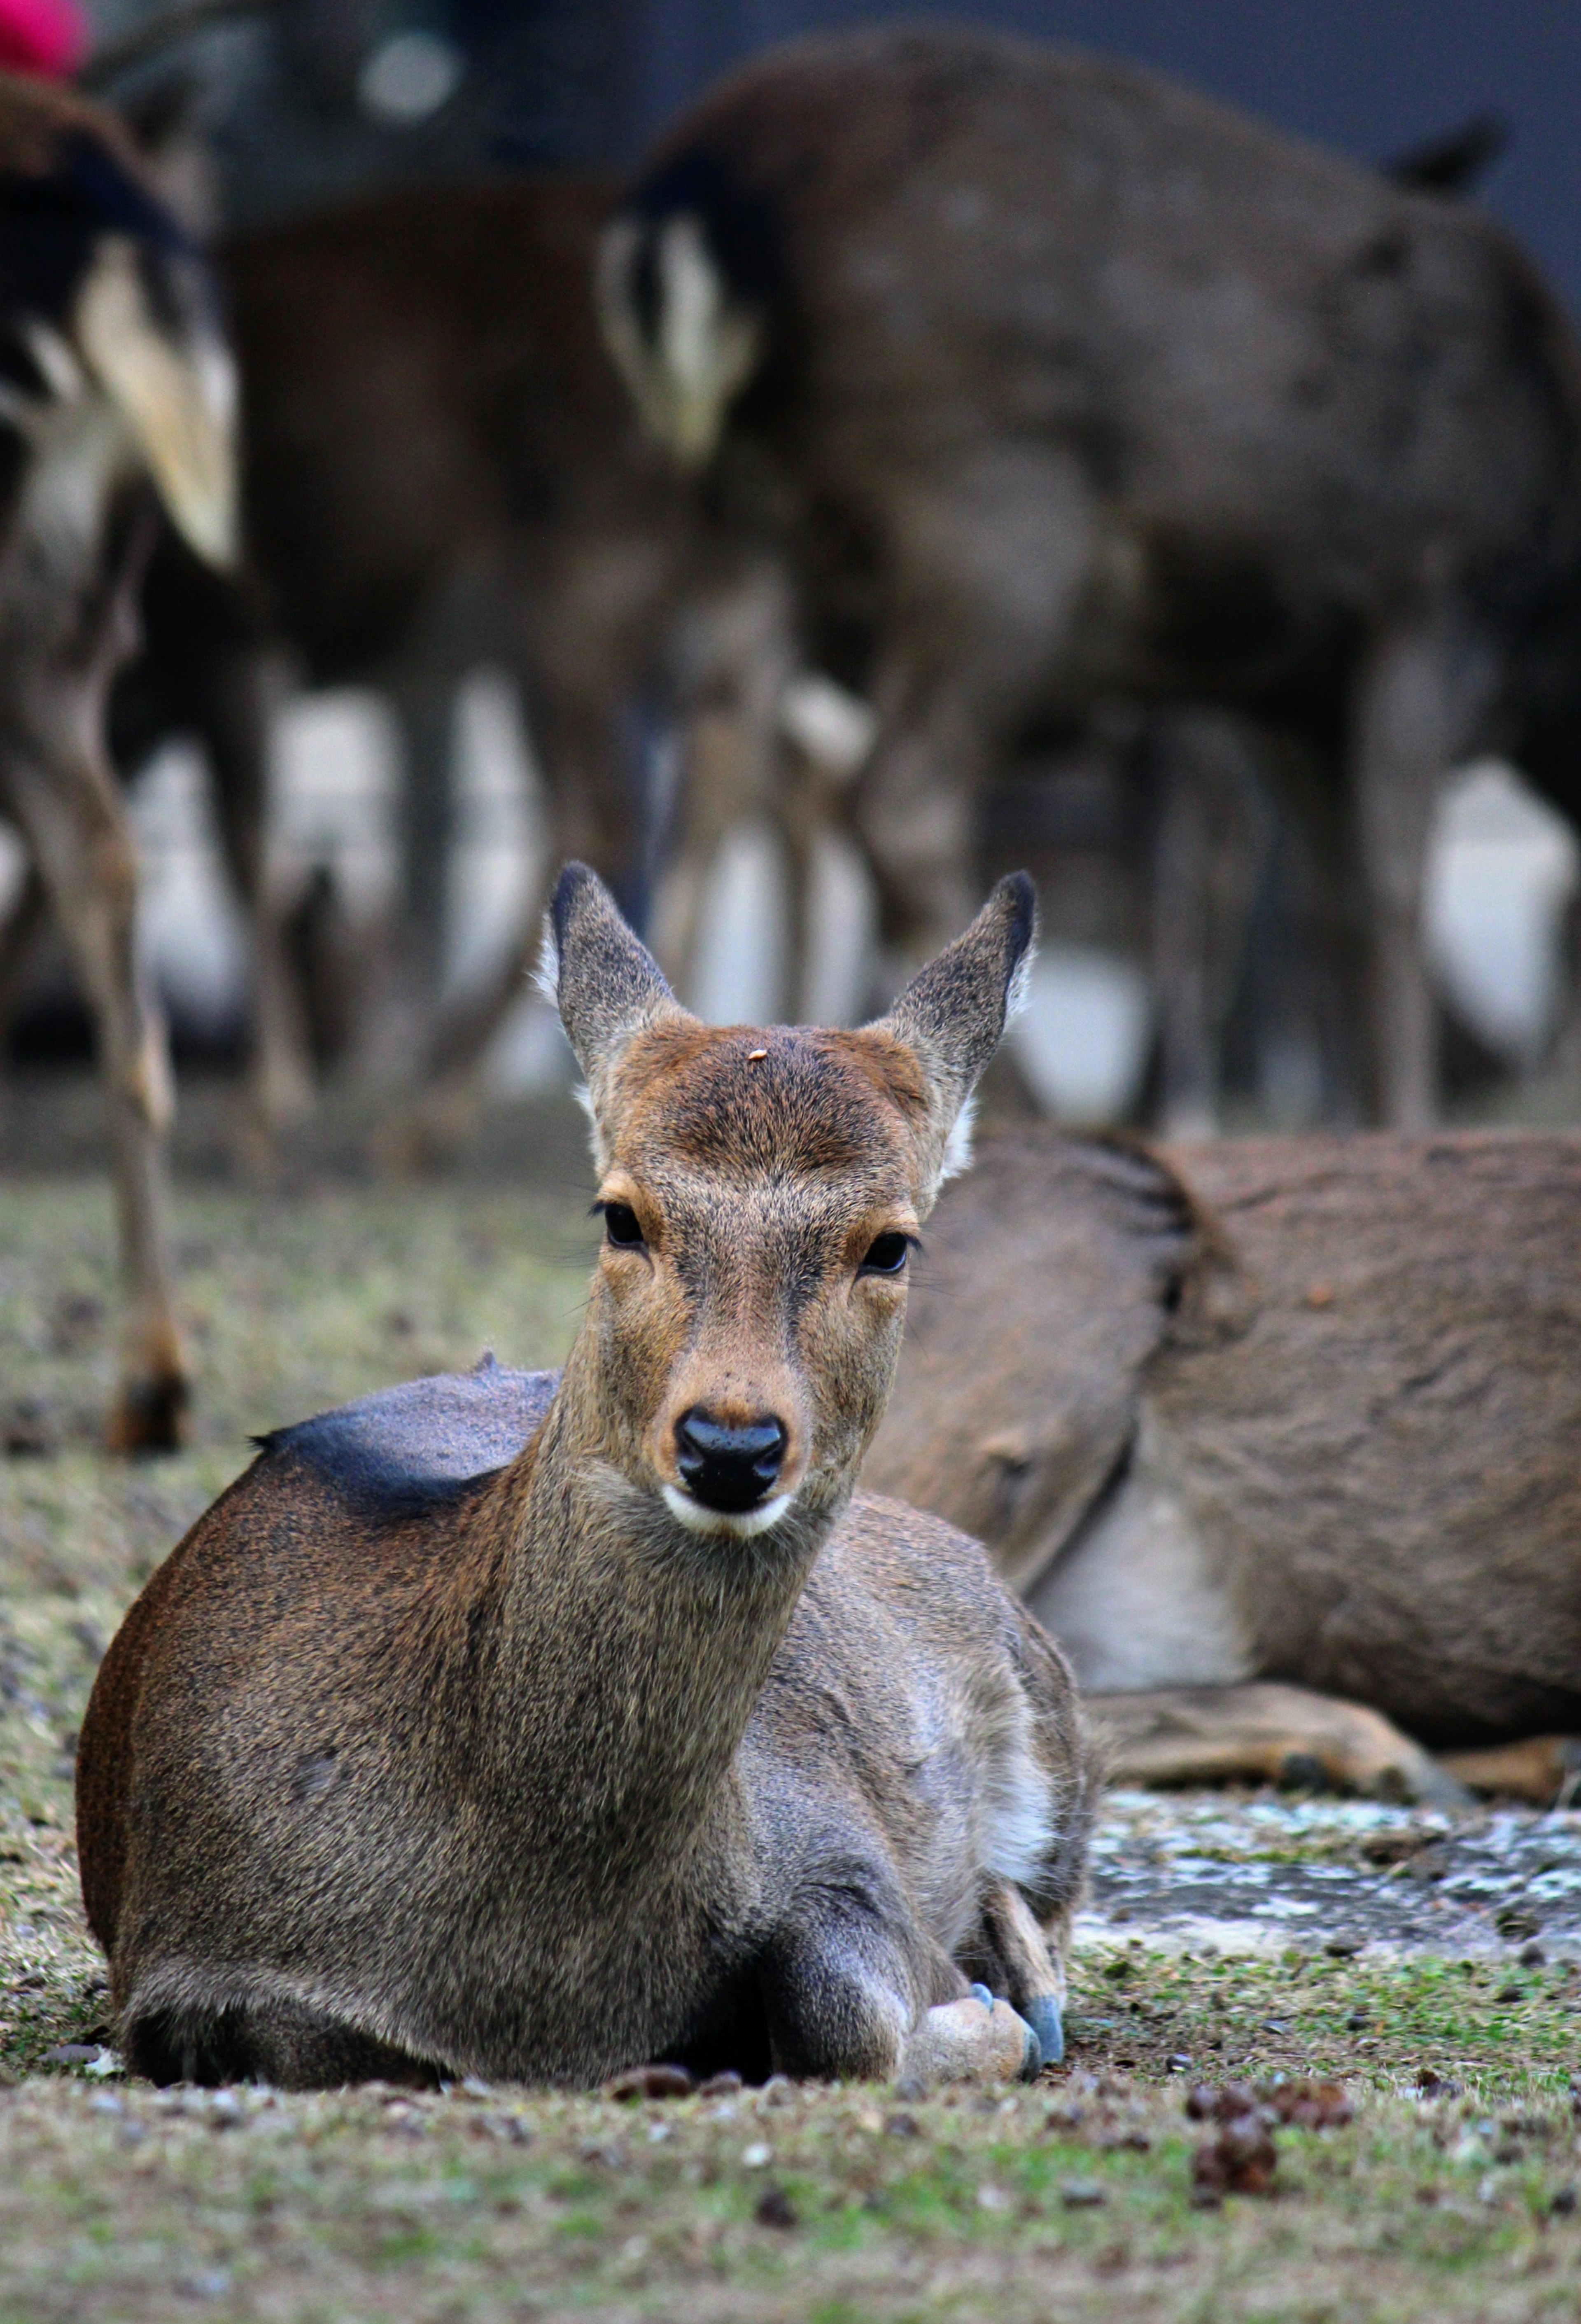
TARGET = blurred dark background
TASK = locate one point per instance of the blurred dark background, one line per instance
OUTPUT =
(286, 94)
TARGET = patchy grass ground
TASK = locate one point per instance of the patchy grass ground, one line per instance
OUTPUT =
(1451, 2194)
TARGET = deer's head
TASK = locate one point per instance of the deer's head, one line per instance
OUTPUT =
(761, 1193)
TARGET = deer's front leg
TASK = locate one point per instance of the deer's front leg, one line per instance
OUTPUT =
(71, 813)
(854, 1995)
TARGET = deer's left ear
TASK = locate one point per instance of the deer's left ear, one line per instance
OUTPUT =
(952, 1017)
(605, 984)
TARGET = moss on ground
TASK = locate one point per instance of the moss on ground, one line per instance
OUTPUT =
(1449, 2195)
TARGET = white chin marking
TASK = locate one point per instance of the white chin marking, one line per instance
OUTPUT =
(741, 1523)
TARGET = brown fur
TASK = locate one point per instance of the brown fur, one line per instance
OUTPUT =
(1057, 383)
(562, 1769)
(1318, 1398)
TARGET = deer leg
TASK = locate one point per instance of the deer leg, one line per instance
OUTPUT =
(76, 825)
(1209, 840)
(1264, 1733)
(236, 731)
(914, 819)
(712, 800)
(1026, 1964)
(1416, 713)
(24, 925)
(1188, 1051)
(263, 2037)
(850, 1997)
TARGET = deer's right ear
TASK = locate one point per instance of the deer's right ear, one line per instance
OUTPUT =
(605, 984)
(952, 1017)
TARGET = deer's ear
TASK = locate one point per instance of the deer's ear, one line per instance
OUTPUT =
(952, 1017)
(605, 984)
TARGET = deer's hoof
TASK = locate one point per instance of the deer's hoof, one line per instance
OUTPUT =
(150, 1414)
(1043, 2015)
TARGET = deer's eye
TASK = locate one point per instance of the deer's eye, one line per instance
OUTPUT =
(885, 1255)
(623, 1226)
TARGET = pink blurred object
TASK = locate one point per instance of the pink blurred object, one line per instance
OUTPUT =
(42, 36)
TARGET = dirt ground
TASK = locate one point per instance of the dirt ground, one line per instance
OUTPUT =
(1430, 1971)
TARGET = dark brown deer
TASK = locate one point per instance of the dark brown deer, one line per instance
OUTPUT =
(1059, 383)
(441, 467)
(112, 372)
(533, 1726)
(1258, 1425)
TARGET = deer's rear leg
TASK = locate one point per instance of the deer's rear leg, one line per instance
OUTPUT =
(1418, 703)
(1264, 1733)
(270, 2039)
(850, 1997)
(75, 825)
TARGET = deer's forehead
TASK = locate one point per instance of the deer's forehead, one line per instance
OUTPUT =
(739, 1108)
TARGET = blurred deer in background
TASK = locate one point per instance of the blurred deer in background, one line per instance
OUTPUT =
(113, 373)
(534, 1726)
(1056, 384)
(1258, 1425)
(441, 467)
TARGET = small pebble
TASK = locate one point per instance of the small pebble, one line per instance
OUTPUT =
(756, 2158)
(992, 2198)
(1081, 2194)
(651, 2082)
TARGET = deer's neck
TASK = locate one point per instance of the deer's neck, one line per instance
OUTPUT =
(630, 1652)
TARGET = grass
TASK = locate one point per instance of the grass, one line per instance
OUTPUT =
(847, 2206)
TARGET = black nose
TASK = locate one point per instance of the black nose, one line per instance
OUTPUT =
(728, 1468)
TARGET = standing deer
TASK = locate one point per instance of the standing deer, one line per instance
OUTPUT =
(1061, 384)
(112, 372)
(1278, 1436)
(532, 1726)
(441, 467)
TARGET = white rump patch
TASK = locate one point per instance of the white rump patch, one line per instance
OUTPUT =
(177, 397)
(835, 728)
(743, 1522)
(705, 349)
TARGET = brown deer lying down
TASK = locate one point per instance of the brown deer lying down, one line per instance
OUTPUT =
(112, 373)
(533, 1726)
(1062, 383)
(1299, 1411)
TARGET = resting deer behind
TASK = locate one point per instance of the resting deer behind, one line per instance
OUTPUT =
(530, 1727)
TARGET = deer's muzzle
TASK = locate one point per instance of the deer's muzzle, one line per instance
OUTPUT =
(729, 1469)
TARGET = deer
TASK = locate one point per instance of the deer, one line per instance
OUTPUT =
(441, 467)
(116, 390)
(533, 1725)
(1055, 384)
(1277, 1436)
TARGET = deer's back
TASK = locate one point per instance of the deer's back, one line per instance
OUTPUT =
(967, 240)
